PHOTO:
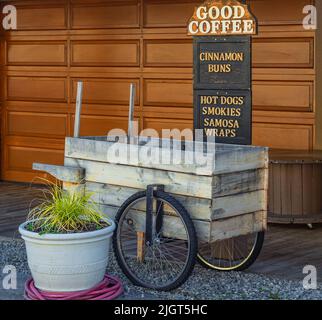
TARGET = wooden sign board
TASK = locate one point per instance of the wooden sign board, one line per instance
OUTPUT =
(222, 32)
(224, 116)
(222, 18)
(222, 63)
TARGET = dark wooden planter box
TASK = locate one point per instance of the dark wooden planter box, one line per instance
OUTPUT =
(295, 187)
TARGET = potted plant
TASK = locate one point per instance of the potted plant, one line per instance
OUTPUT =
(67, 241)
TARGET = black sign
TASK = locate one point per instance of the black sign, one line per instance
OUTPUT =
(222, 88)
(224, 116)
(222, 63)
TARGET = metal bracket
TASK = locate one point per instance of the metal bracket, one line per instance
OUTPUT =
(149, 232)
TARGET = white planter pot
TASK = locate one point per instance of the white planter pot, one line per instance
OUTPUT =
(67, 262)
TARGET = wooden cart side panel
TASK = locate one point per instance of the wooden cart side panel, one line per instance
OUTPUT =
(134, 177)
(198, 208)
(240, 182)
(207, 231)
(240, 160)
(240, 204)
(190, 162)
(222, 160)
(239, 226)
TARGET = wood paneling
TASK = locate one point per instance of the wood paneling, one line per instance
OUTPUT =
(318, 58)
(283, 136)
(44, 16)
(110, 43)
(168, 13)
(283, 95)
(108, 14)
(37, 124)
(106, 91)
(36, 53)
(168, 92)
(275, 12)
(168, 53)
(36, 89)
(22, 158)
(160, 124)
(100, 125)
(283, 53)
(105, 53)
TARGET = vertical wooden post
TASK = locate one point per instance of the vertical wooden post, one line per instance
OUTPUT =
(140, 246)
(78, 108)
(131, 112)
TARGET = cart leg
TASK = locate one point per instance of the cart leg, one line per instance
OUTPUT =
(140, 246)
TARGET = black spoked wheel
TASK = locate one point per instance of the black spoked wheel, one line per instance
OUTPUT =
(235, 254)
(156, 250)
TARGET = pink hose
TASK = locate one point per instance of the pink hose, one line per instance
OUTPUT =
(110, 288)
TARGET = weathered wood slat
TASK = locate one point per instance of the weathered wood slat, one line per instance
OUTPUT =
(141, 156)
(239, 182)
(63, 173)
(115, 195)
(206, 231)
(139, 178)
(200, 209)
(220, 159)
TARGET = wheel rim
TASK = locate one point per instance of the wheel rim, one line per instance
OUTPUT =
(166, 259)
(229, 254)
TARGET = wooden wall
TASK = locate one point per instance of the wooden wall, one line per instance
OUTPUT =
(109, 44)
(318, 50)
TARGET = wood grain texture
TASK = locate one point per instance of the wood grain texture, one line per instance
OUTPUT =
(61, 42)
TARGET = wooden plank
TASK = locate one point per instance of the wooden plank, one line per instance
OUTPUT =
(220, 158)
(198, 208)
(140, 156)
(140, 246)
(237, 226)
(63, 173)
(277, 189)
(296, 189)
(206, 231)
(139, 178)
(241, 160)
(107, 194)
(308, 189)
(240, 204)
(239, 182)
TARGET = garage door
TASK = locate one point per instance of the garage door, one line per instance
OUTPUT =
(109, 44)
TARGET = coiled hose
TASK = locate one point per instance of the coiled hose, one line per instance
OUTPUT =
(108, 289)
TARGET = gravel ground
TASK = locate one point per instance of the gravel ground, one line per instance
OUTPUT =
(202, 285)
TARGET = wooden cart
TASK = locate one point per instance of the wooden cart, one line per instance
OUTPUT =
(225, 196)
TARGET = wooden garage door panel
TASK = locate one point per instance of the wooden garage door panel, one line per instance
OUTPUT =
(37, 124)
(288, 95)
(22, 158)
(100, 125)
(168, 93)
(279, 12)
(49, 53)
(47, 16)
(168, 13)
(168, 53)
(283, 136)
(283, 52)
(107, 91)
(159, 124)
(105, 53)
(112, 14)
(36, 89)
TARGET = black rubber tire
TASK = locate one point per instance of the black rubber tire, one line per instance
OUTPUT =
(193, 243)
(246, 264)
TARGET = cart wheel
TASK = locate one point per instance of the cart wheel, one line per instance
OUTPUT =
(235, 254)
(166, 260)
